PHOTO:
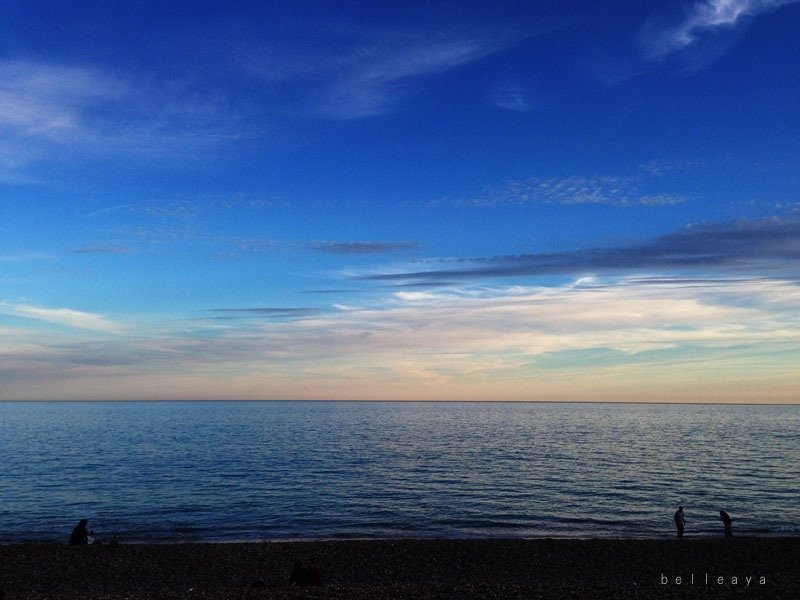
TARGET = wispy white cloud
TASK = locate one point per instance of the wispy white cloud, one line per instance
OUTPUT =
(40, 105)
(184, 208)
(372, 70)
(521, 323)
(108, 249)
(44, 106)
(24, 257)
(614, 191)
(511, 97)
(265, 312)
(361, 247)
(111, 209)
(706, 16)
(127, 240)
(62, 316)
(46, 100)
(372, 78)
(658, 168)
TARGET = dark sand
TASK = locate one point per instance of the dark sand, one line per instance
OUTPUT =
(528, 569)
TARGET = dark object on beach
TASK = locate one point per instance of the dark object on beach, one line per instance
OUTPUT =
(728, 522)
(315, 575)
(305, 574)
(680, 521)
(80, 535)
(299, 575)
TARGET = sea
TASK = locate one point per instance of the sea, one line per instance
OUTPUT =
(252, 471)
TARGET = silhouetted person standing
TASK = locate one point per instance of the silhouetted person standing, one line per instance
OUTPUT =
(680, 521)
(80, 535)
(728, 522)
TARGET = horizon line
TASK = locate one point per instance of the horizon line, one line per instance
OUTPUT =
(321, 400)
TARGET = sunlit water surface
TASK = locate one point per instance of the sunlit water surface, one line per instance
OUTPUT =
(147, 471)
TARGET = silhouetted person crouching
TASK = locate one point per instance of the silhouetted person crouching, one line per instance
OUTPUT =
(81, 534)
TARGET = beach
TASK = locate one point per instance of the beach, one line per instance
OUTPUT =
(741, 567)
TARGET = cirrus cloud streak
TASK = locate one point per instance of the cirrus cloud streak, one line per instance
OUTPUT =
(768, 245)
(62, 316)
(707, 16)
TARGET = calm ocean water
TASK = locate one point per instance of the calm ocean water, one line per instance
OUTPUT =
(148, 471)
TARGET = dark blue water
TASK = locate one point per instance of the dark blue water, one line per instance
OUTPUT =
(282, 470)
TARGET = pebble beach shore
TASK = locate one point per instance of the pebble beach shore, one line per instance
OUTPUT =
(378, 569)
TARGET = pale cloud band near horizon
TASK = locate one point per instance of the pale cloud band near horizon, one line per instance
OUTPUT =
(525, 343)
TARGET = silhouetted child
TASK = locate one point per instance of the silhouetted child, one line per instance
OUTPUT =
(728, 522)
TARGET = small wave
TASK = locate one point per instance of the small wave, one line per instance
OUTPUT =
(772, 530)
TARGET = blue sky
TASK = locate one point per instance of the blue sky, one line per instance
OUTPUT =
(496, 201)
